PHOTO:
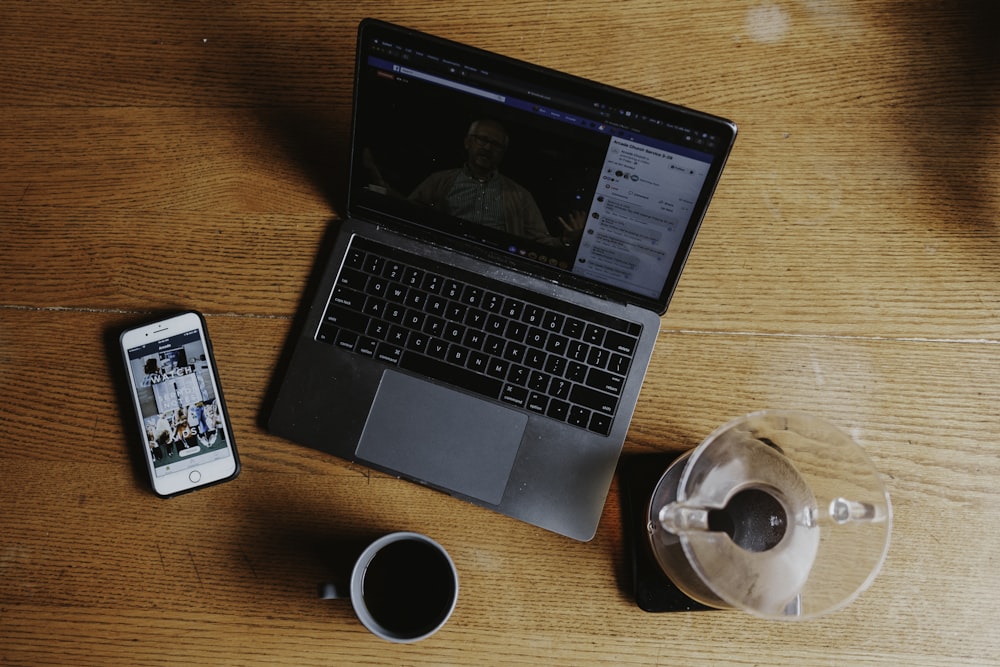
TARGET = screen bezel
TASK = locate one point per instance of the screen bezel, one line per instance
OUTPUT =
(472, 238)
(211, 472)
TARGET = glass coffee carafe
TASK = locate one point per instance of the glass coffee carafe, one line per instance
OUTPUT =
(777, 513)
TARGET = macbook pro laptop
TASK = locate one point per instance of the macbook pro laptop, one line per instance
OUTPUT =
(488, 311)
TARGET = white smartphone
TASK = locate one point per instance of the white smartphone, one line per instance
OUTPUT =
(187, 440)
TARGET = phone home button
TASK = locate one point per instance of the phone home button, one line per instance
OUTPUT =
(195, 476)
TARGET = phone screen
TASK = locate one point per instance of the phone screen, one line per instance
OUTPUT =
(183, 421)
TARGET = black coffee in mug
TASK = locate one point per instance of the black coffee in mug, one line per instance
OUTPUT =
(409, 587)
(403, 587)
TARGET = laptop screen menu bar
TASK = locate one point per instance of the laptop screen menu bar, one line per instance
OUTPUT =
(477, 81)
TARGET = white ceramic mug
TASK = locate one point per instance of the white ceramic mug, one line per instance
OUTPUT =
(403, 587)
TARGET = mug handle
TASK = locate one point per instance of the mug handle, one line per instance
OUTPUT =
(330, 591)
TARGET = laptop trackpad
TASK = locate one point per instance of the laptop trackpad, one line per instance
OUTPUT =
(441, 436)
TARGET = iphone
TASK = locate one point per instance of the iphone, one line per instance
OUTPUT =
(186, 437)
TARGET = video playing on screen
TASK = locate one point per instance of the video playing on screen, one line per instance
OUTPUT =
(572, 190)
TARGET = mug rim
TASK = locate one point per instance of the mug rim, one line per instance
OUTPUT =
(358, 575)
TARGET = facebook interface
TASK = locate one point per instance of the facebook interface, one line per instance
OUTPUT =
(643, 203)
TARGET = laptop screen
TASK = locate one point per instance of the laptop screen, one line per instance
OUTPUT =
(589, 184)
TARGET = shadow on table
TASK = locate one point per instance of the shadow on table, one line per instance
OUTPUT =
(298, 322)
(287, 551)
(301, 89)
(956, 79)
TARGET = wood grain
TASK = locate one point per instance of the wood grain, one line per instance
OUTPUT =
(179, 155)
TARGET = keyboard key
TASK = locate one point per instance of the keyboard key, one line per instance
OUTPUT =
(560, 388)
(346, 319)
(396, 293)
(556, 344)
(595, 400)
(557, 410)
(619, 342)
(472, 296)
(594, 334)
(474, 339)
(374, 307)
(600, 423)
(437, 348)
(538, 381)
(553, 321)
(393, 271)
(395, 313)
(537, 402)
(352, 279)
(348, 298)
(432, 283)
(418, 342)
(327, 334)
(366, 346)
(433, 326)
(413, 277)
(577, 351)
(373, 264)
(575, 371)
(492, 302)
(514, 395)
(573, 328)
(533, 315)
(416, 299)
(605, 381)
(518, 375)
(598, 357)
(377, 286)
(514, 352)
(536, 337)
(377, 329)
(388, 353)
(516, 331)
(397, 336)
(414, 320)
(497, 368)
(458, 355)
(494, 346)
(452, 289)
(355, 258)
(618, 364)
(436, 305)
(578, 416)
(455, 312)
(496, 325)
(347, 340)
(478, 362)
(555, 365)
(513, 308)
(535, 358)
(475, 318)
(453, 333)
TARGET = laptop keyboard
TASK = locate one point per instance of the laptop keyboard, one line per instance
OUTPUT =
(496, 340)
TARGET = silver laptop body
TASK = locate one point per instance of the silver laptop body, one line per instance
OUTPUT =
(487, 314)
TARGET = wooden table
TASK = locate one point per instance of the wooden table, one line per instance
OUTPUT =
(191, 155)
